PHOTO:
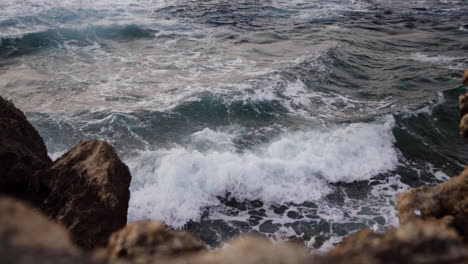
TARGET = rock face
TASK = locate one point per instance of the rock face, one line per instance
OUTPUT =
(464, 126)
(147, 240)
(23, 226)
(22, 152)
(446, 203)
(416, 242)
(88, 192)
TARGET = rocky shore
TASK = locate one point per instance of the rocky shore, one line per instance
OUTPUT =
(74, 210)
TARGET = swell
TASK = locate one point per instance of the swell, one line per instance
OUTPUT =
(58, 38)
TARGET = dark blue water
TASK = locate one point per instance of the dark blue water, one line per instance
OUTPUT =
(291, 119)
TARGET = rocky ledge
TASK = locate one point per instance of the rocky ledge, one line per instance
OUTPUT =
(78, 206)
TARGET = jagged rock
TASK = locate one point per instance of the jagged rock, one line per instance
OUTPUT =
(415, 242)
(22, 152)
(88, 192)
(23, 226)
(446, 203)
(150, 239)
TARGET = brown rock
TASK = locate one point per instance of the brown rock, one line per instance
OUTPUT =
(88, 192)
(251, 250)
(464, 126)
(463, 104)
(23, 226)
(149, 240)
(446, 203)
(22, 152)
(415, 242)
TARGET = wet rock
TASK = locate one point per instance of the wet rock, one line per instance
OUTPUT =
(23, 226)
(22, 152)
(446, 204)
(88, 192)
(147, 240)
(421, 242)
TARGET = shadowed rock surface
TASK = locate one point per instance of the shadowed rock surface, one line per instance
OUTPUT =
(446, 203)
(151, 239)
(22, 152)
(88, 192)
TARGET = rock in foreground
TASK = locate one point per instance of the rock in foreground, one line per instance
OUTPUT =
(22, 152)
(446, 204)
(88, 192)
(416, 242)
(151, 239)
(23, 226)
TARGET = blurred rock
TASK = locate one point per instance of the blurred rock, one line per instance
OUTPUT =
(446, 204)
(464, 126)
(415, 242)
(22, 152)
(88, 192)
(252, 250)
(147, 240)
(463, 104)
(23, 226)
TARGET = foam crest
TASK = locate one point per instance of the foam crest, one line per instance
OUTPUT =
(173, 185)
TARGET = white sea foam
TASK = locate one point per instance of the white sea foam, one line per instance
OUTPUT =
(452, 63)
(173, 185)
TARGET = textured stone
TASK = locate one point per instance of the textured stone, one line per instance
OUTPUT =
(446, 203)
(88, 192)
(415, 242)
(146, 240)
(22, 152)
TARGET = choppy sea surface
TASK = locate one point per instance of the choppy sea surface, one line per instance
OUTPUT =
(297, 120)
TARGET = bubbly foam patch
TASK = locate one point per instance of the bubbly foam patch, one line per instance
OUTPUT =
(173, 185)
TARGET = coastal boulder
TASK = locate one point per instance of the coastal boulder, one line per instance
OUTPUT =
(22, 152)
(415, 242)
(145, 240)
(88, 192)
(446, 204)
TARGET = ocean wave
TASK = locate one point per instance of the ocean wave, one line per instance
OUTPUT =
(173, 185)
